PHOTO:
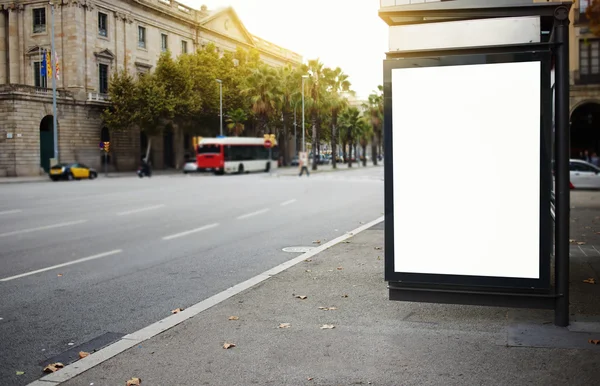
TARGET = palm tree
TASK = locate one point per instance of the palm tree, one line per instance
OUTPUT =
(365, 131)
(287, 92)
(338, 82)
(349, 125)
(316, 90)
(236, 120)
(262, 90)
(374, 109)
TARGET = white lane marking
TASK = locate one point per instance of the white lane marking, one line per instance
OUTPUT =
(11, 211)
(140, 210)
(60, 225)
(177, 235)
(98, 256)
(253, 214)
(128, 341)
(288, 202)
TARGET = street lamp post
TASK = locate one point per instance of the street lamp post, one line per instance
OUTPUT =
(53, 72)
(303, 128)
(220, 105)
(295, 130)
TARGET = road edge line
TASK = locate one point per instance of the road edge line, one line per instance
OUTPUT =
(126, 342)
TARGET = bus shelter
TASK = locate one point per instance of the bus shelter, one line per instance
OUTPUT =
(476, 110)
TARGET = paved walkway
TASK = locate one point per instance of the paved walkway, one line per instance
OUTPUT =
(101, 175)
(327, 321)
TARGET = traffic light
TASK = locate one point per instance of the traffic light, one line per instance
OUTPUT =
(270, 138)
(106, 146)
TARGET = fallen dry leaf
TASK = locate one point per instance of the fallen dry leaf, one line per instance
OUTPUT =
(378, 248)
(309, 378)
(177, 310)
(308, 260)
(580, 242)
(378, 257)
(285, 325)
(20, 372)
(53, 367)
(228, 345)
(317, 242)
(340, 268)
(327, 327)
(594, 341)
(328, 308)
(134, 382)
(83, 354)
(302, 297)
(591, 280)
(59, 275)
(346, 242)
(234, 318)
(571, 240)
(308, 270)
(345, 295)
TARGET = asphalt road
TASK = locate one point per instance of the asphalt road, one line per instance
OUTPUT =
(134, 249)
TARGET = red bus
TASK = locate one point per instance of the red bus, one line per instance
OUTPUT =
(235, 155)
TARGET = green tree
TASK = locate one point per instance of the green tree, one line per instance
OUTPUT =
(337, 83)
(288, 93)
(316, 86)
(261, 88)
(350, 126)
(593, 15)
(119, 116)
(154, 107)
(364, 132)
(235, 121)
(374, 109)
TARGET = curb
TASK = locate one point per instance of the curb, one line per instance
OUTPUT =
(333, 170)
(130, 340)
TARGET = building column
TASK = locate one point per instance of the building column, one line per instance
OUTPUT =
(13, 46)
(3, 49)
(72, 72)
(21, 38)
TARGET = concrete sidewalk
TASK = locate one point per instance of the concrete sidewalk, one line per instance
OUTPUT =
(101, 175)
(373, 340)
(295, 170)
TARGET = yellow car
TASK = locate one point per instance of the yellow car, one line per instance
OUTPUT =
(72, 171)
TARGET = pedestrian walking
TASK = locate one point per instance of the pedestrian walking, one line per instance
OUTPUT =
(303, 163)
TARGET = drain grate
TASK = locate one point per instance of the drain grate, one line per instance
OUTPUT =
(72, 355)
(297, 249)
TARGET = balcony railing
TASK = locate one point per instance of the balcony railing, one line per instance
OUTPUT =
(32, 90)
(585, 79)
(580, 16)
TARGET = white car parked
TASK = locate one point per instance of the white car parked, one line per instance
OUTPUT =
(190, 167)
(584, 175)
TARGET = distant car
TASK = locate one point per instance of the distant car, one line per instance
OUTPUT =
(190, 167)
(584, 175)
(295, 161)
(72, 171)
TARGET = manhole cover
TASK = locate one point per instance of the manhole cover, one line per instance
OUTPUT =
(297, 249)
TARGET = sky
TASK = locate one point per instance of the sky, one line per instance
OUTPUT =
(344, 33)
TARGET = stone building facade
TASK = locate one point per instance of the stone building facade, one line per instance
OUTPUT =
(94, 38)
(584, 62)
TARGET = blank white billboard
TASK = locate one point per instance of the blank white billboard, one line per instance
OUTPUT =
(466, 167)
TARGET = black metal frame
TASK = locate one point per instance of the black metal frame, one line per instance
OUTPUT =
(506, 292)
(476, 56)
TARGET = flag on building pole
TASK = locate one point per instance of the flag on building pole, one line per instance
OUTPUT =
(48, 65)
(57, 69)
(44, 63)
